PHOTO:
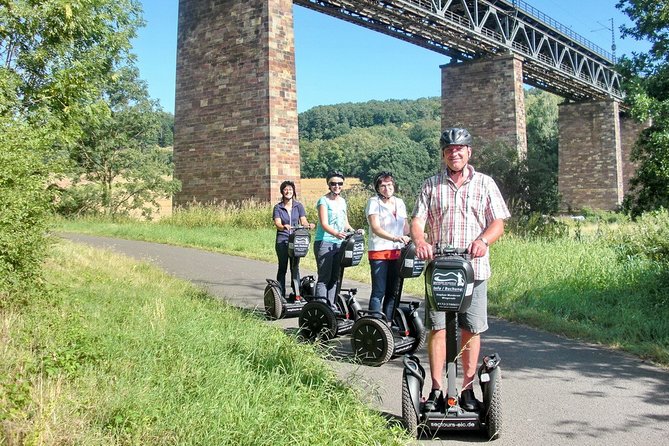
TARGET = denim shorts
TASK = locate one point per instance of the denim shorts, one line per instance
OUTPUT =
(474, 320)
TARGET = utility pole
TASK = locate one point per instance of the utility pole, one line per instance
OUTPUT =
(613, 36)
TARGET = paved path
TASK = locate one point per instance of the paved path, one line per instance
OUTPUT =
(555, 391)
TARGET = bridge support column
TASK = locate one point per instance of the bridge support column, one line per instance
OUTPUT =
(590, 163)
(486, 96)
(236, 106)
(629, 133)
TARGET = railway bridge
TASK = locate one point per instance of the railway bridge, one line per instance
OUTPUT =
(236, 100)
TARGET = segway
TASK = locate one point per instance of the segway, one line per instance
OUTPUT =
(449, 284)
(372, 340)
(319, 321)
(276, 305)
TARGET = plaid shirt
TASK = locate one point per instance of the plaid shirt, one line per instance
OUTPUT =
(456, 217)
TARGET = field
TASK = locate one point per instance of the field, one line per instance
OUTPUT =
(309, 191)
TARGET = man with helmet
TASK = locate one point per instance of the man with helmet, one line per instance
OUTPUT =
(330, 232)
(463, 209)
(388, 224)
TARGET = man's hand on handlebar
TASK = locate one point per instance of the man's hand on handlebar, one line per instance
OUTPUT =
(424, 250)
(477, 249)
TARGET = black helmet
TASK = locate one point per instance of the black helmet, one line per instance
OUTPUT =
(334, 173)
(379, 178)
(455, 136)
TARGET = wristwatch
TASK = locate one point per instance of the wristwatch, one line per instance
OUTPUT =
(484, 240)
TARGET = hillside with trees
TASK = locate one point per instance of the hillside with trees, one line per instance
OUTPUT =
(402, 136)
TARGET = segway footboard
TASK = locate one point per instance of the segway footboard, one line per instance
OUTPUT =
(276, 306)
(411, 333)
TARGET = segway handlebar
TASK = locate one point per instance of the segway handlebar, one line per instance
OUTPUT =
(299, 226)
(356, 231)
(449, 251)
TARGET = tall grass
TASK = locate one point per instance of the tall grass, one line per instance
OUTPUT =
(251, 214)
(584, 290)
(119, 353)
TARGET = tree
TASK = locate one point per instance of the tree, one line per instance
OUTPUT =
(542, 151)
(118, 166)
(62, 50)
(408, 161)
(54, 56)
(331, 121)
(647, 94)
(165, 135)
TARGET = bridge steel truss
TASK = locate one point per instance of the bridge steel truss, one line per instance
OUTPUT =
(554, 58)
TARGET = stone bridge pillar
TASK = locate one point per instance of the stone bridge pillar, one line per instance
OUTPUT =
(235, 133)
(486, 96)
(629, 133)
(590, 163)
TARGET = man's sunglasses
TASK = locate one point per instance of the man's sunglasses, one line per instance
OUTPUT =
(336, 183)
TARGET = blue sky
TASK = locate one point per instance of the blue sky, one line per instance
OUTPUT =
(337, 61)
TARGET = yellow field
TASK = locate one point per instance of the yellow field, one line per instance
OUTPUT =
(311, 189)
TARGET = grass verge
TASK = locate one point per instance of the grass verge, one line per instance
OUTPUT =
(117, 352)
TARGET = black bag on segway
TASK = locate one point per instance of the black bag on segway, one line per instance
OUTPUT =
(298, 243)
(352, 250)
(410, 265)
(449, 283)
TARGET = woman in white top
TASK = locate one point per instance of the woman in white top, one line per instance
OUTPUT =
(387, 217)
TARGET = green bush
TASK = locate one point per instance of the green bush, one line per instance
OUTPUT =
(356, 202)
(600, 216)
(647, 237)
(23, 212)
(537, 226)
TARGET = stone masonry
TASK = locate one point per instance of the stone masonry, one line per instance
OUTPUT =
(629, 133)
(236, 133)
(590, 158)
(486, 97)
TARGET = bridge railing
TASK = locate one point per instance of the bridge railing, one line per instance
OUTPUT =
(534, 12)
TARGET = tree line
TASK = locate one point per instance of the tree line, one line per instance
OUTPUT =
(402, 136)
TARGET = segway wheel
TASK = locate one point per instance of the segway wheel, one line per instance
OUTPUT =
(274, 303)
(493, 416)
(409, 414)
(372, 341)
(317, 322)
